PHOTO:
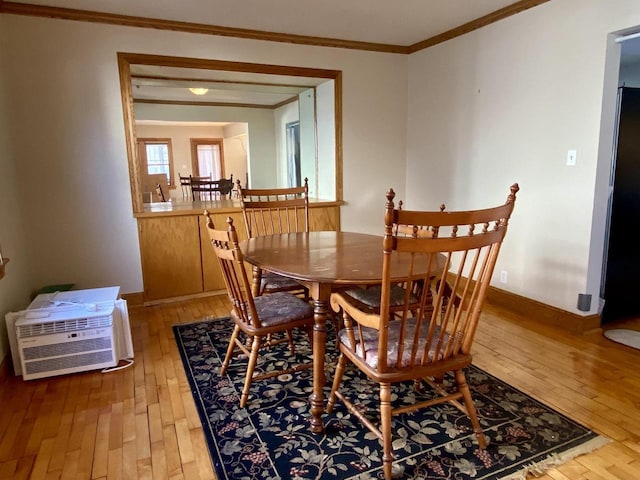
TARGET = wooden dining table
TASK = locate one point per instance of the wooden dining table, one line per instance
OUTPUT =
(323, 262)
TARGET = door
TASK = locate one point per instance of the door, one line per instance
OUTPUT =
(156, 163)
(621, 289)
(170, 254)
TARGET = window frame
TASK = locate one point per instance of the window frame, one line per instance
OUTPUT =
(194, 154)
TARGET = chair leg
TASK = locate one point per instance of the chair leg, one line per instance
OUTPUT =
(253, 359)
(337, 323)
(471, 408)
(385, 428)
(230, 348)
(417, 385)
(292, 348)
(337, 379)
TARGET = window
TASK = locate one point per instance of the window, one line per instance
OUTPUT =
(207, 158)
(156, 158)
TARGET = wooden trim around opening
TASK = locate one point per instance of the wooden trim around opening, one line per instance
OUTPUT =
(125, 60)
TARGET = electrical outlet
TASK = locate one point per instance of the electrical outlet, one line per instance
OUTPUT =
(503, 276)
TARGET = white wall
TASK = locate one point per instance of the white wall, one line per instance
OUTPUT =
(308, 139)
(322, 149)
(68, 143)
(236, 151)
(503, 104)
(497, 105)
(15, 289)
(326, 113)
(283, 115)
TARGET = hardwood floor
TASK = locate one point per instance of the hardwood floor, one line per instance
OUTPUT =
(141, 422)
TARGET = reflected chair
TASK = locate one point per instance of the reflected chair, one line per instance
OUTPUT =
(423, 344)
(270, 211)
(201, 187)
(185, 185)
(225, 186)
(259, 318)
(210, 189)
(160, 192)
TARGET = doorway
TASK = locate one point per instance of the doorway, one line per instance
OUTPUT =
(293, 154)
(623, 255)
(156, 167)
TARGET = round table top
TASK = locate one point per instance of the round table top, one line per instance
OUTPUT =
(326, 257)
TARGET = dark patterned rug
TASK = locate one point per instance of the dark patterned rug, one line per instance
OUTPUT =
(271, 438)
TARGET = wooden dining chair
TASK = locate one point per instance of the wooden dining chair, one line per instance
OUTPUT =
(225, 187)
(160, 192)
(425, 344)
(185, 185)
(368, 298)
(259, 318)
(201, 188)
(269, 211)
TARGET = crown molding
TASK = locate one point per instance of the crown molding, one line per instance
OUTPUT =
(27, 9)
(188, 27)
(476, 24)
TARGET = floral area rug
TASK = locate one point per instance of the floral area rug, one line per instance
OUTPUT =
(271, 439)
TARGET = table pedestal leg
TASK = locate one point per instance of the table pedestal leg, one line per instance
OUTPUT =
(320, 312)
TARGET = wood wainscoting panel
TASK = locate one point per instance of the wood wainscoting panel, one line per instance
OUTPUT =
(170, 254)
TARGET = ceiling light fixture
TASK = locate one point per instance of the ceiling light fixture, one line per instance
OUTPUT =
(198, 91)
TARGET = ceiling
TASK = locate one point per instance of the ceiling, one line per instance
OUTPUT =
(155, 84)
(397, 23)
(403, 22)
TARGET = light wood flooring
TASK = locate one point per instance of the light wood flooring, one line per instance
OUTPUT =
(141, 422)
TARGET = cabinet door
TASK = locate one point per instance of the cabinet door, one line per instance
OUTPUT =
(170, 254)
(324, 218)
(211, 274)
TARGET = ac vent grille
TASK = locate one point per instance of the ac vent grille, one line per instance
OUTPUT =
(63, 326)
(68, 348)
(62, 363)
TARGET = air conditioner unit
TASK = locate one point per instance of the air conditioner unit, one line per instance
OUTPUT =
(70, 332)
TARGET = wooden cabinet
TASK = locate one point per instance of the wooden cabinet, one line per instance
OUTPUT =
(211, 275)
(170, 254)
(177, 259)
